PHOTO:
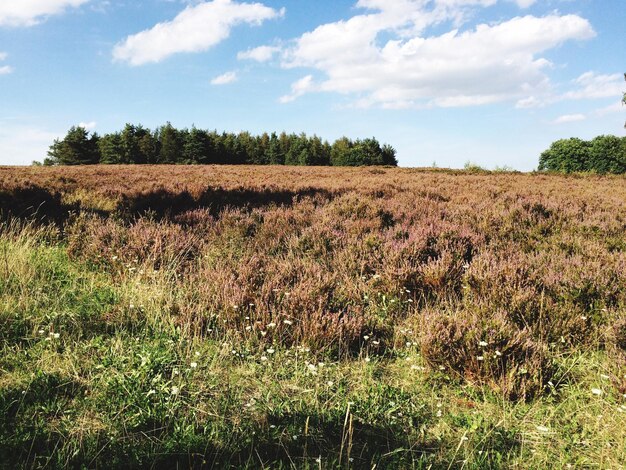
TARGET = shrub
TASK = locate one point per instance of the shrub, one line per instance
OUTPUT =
(486, 349)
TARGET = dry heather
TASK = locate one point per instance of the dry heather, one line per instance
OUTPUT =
(495, 279)
(528, 265)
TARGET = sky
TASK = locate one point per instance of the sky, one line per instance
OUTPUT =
(445, 82)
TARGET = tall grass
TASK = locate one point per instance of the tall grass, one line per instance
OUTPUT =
(283, 317)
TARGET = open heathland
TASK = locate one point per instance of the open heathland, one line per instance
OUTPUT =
(291, 317)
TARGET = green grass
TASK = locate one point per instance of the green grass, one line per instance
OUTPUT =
(139, 393)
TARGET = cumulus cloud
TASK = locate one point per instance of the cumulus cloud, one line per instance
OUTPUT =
(31, 12)
(567, 118)
(259, 54)
(88, 126)
(225, 79)
(591, 85)
(299, 88)
(197, 28)
(384, 57)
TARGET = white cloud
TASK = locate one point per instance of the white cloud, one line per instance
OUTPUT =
(616, 107)
(299, 88)
(196, 28)
(225, 79)
(530, 102)
(590, 85)
(20, 145)
(567, 118)
(487, 64)
(5, 69)
(525, 3)
(259, 54)
(88, 126)
(31, 12)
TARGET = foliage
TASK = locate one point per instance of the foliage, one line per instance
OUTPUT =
(603, 154)
(77, 148)
(137, 145)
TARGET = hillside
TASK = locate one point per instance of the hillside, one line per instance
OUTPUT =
(292, 317)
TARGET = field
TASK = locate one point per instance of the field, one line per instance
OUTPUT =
(274, 317)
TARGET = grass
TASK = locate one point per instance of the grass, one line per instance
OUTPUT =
(399, 319)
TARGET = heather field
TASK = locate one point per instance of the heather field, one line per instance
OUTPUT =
(290, 317)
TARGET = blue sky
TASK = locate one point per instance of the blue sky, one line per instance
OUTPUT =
(493, 82)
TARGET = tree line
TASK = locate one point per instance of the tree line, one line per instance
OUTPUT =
(136, 144)
(603, 154)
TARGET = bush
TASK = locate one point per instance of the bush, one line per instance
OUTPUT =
(486, 349)
(604, 154)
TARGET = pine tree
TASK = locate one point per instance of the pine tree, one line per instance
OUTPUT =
(77, 148)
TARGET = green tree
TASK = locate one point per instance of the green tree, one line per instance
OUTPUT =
(263, 146)
(275, 155)
(603, 154)
(110, 146)
(607, 154)
(148, 146)
(389, 155)
(340, 151)
(137, 145)
(197, 146)
(171, 144)
(567, 156)
(77, 148)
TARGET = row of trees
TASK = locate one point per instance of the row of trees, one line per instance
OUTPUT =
(604, 154)
(138, 145)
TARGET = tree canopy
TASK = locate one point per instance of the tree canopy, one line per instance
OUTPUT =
(603, 154)
(168, 145)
